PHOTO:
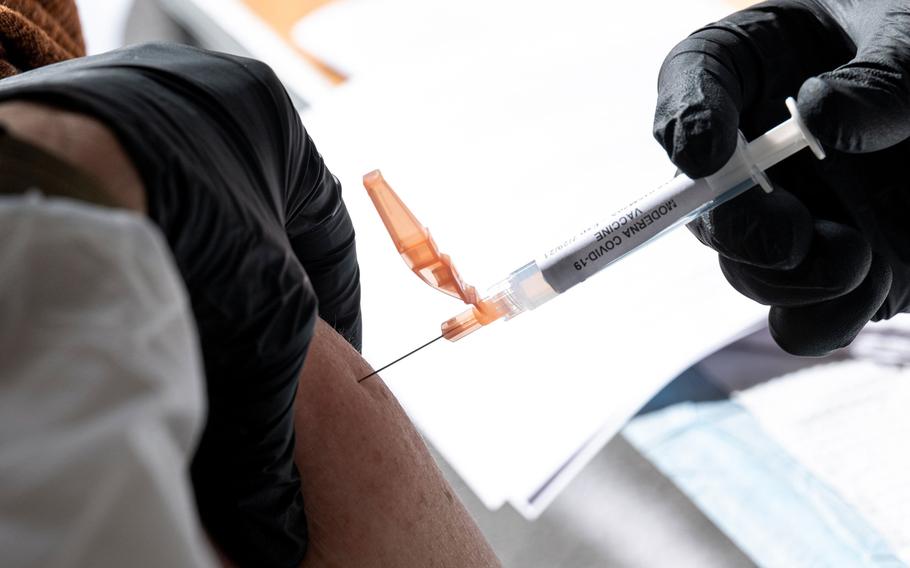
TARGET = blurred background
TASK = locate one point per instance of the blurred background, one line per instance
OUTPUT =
(721, 451)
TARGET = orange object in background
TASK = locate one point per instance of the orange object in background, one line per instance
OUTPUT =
(282, 16)
(420, 253)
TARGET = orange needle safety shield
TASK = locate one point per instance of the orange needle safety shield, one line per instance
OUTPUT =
(420, 253)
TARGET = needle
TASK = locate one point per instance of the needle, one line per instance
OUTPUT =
(427, 344)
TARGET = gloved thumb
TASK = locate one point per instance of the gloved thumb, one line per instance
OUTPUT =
(864, 105)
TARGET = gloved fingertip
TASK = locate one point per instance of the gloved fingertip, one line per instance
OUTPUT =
(793, 237)
(696, 122)
(898, 297)
(856, 109)
(817, 107)
(794, 343)
(700, 148)
(838, 262)
(818, 329)
(773, 231)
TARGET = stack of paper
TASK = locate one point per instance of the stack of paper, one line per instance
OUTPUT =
(848, 424)
(506, 126)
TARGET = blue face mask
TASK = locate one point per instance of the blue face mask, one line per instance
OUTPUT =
(761, 497)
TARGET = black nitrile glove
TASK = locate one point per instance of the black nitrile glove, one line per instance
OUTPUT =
(829, 249)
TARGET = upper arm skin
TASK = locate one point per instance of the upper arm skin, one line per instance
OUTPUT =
(374, 496)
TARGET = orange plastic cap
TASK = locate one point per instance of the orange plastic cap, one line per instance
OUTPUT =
(421, 254)
(414, 243)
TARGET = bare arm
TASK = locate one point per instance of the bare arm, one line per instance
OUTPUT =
(374, 496)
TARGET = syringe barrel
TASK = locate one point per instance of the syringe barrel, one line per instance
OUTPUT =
(674, 203)
(636, 224)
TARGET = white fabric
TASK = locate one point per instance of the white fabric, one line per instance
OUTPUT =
(101, 392)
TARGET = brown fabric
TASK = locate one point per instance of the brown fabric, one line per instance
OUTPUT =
(34, 33)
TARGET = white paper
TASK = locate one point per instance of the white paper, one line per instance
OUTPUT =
(509, 132)
(337, 32)
(848, 424)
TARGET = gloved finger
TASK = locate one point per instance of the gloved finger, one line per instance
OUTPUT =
(837, 263)
(759, 54)
(818, 329)
(899, 295)
(697, 115)
(766, 230)
(864, 106)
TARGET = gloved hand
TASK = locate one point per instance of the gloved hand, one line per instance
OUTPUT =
(829, 249)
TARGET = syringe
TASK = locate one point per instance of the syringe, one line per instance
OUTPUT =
(672, 204)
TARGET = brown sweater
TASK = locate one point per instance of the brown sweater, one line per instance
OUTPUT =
(34, 33)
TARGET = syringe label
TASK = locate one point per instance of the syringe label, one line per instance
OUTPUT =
(598, 253)
(618, 224)
(635, 221)
(628, 226)
(643, 221)
(588, 252)
(569, 242)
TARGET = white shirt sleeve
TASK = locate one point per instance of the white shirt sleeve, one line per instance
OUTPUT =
(101, 392)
